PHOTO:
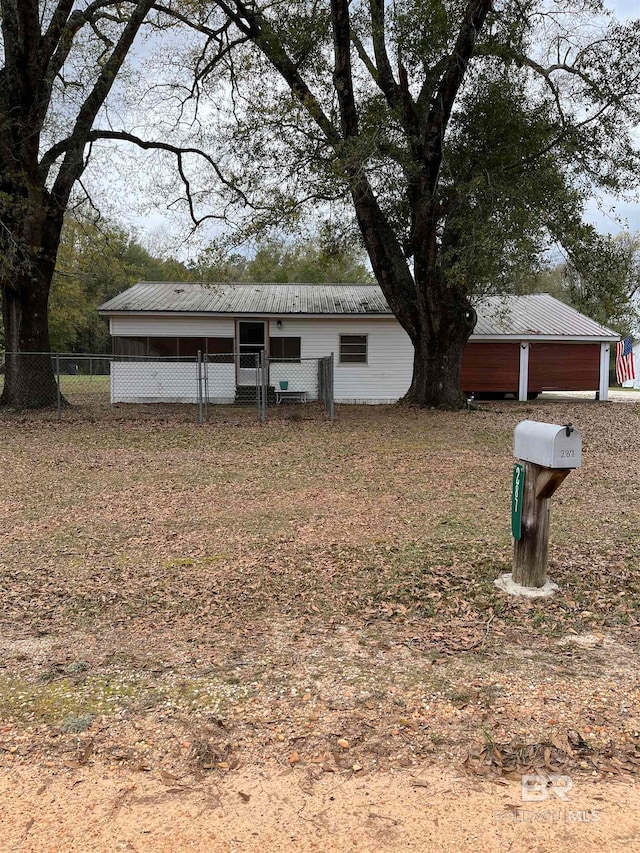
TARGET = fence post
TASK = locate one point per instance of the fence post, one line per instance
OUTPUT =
(199, 361)
(332, 407)
(265, 386)
(258, 365)
(58, 393)
(206, 388)
(262, 374)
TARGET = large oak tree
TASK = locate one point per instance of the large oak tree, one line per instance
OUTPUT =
(466, 135)
(59, 63)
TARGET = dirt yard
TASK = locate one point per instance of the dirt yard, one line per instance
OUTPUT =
(245, 637)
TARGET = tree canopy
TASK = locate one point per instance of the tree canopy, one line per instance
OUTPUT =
(464, 136)
(603, 283)
(98, 259)
(324, 256)
(59, 63)
(95, 261)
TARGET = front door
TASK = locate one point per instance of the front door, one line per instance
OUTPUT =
(251, 342)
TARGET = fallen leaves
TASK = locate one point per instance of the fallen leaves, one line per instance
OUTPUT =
(568, 751)
(207, 753)
(169, 779)
(327, 594)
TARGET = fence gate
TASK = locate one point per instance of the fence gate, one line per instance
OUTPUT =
(297, 382)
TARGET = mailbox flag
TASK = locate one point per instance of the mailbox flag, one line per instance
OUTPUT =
(625, 368)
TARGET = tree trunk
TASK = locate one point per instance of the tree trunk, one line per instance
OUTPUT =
(437, 361)
(29, 379)
(436, 378)
(443, 319)
(437, 317)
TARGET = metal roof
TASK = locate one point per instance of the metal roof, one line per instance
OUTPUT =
(533, 316)
(262, 299)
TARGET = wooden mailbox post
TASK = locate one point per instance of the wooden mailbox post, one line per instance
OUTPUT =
(546, 454)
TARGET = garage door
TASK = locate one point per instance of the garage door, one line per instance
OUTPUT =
(564, 367)
(490, 367)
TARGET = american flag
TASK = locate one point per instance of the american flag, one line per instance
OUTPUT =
(625, 368)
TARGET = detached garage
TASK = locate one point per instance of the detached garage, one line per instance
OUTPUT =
(528, 344)
(521, 344)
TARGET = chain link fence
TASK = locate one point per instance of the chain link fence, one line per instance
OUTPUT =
(70, 384)
(307, 381)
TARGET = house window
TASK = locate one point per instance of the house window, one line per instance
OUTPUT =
(220, 350)
(353, 349)
(129, 346)
(190, 347)
(284, 349)
(163, 347)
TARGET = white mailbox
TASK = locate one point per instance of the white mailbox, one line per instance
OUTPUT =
(551, 445)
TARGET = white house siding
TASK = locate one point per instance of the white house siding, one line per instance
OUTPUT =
(168, 382)
(383, 379)
(299, 377)
(175, 326)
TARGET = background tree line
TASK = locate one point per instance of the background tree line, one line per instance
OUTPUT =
(98, 260)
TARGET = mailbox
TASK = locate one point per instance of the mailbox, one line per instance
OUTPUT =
(546, 453)
(549, 445)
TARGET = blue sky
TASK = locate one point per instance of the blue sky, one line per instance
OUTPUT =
(625, 8)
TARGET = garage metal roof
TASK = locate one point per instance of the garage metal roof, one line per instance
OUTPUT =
(536, 315)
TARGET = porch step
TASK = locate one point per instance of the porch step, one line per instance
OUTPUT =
(246, 395)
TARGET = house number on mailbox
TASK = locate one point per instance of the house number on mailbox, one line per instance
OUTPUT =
(516, 501)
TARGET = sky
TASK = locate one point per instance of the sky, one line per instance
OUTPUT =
(610, 215)
(157, 229)
(625, 9)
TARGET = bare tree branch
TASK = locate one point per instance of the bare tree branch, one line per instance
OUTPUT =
(72, 164)
(251, 21)
(365, 58)
(387, 81)
(58, 40)
(440, 112)
(61, 147)
(342, 73)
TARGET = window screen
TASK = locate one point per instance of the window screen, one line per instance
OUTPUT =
(163, 347)
(129, 346)
(284, 349)
(353, 349)
(190, 347)
(220, 350)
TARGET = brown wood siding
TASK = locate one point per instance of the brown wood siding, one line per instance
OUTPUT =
(490, 367)
(564, 367)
